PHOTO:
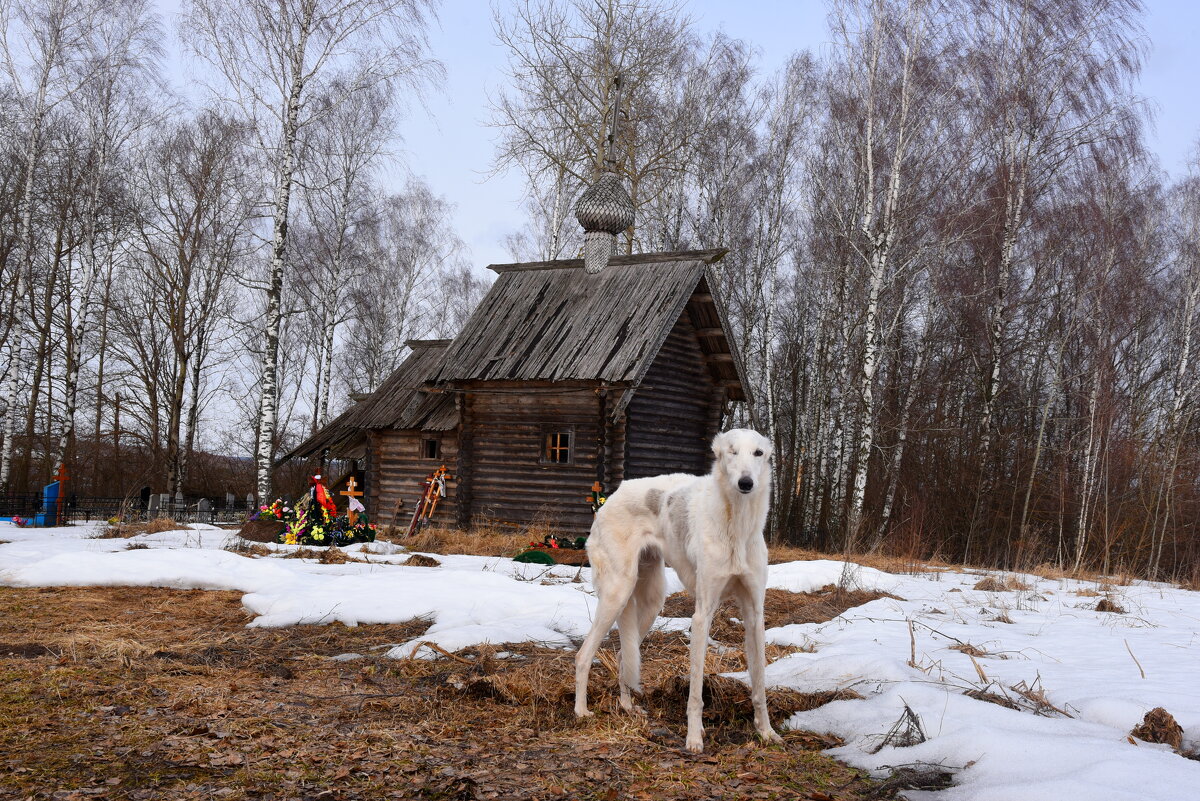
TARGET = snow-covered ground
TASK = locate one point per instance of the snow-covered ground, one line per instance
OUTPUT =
(1092, 675)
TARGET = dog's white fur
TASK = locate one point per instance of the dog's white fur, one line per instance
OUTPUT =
(709, 529)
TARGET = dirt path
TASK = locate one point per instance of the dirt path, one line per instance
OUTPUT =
(121, 693)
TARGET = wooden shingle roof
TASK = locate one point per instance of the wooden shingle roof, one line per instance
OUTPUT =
(551, 321)
(398, 403)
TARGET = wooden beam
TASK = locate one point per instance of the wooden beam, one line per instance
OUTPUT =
(724, 358)
(701, 297)
(711, 332)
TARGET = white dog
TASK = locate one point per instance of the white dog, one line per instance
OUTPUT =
(709, 528)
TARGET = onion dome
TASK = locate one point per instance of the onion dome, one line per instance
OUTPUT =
(604, 210)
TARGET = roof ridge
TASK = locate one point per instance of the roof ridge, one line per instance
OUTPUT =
(709, 256)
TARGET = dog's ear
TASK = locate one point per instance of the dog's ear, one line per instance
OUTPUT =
(718, 442)
(767, 448)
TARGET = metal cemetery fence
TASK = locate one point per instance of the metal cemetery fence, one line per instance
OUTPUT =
(79, 508)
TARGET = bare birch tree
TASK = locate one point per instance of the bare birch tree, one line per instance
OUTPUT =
(273, 57)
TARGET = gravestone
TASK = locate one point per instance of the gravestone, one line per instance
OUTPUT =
(164, 503)
(204, 511)
(230, 500)
(152, 504)
(144, 498)
(249, 500)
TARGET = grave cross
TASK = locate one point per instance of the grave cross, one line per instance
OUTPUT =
(62, 478)
(350, 494)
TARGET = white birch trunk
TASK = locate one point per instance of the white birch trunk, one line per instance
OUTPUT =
(1088, 489)
(20, 332)
(268, 397)
(285, 176)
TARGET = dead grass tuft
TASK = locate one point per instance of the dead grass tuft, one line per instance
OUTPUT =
(1107, 604)
(990, 584)
(1159, 726)
(969, 650)
(154, 526)
(1049, 571)
(1005, 584)
(906, 732)
(421, 560)
(332, 555)
(487, 541)
(992, 698)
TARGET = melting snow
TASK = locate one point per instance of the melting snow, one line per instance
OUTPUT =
(1075, 674)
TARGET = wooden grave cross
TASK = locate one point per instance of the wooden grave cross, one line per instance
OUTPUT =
(62, 478)
(350, 494)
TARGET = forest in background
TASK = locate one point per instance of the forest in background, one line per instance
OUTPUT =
(964, 289)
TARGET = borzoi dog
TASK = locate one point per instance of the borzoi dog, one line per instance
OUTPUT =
(709, 529)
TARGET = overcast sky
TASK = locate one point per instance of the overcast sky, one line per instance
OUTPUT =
(449, 144)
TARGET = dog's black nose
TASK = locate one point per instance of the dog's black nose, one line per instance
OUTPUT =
(745, 483)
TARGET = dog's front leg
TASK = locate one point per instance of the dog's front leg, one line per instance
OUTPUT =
(756, 663)
(701, 620)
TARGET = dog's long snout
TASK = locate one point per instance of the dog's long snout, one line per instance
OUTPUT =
(745, 484)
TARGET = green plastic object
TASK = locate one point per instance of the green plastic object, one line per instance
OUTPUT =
(535, 557)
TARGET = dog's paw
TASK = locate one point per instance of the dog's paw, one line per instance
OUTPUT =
(771, 736)
(584, 713)
(629, 706)
(695, 744)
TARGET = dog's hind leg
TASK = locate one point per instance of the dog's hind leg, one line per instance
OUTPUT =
(614, 596)
(751, 603)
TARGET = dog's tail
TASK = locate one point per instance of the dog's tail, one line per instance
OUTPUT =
(651, 589)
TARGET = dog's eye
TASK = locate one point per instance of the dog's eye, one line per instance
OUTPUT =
(758, 453)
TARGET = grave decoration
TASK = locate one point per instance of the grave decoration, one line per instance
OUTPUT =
(562, 550)
(597, 497)
(314, 520)
(433, 489)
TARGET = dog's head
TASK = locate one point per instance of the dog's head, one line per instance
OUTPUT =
(743, 459)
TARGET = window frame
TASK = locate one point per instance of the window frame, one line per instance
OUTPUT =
(544, 446)
(437, 441)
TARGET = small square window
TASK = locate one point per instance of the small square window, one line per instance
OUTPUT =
(556, 448)
(431, 449)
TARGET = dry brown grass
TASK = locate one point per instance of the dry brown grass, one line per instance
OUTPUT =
(153, 526)
(478, 541)
(1159, 726)
(1004, 584)
(497, 540)
(1109, 605)
(888, 563)
(421, 560)
(331, 555)
(1120, 577)
(969, 650)
(130, 693)
(780, 608)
